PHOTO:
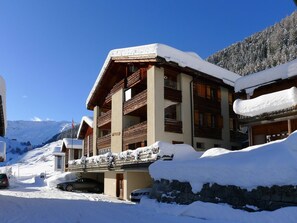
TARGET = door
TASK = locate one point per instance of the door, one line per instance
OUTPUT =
(120, 186)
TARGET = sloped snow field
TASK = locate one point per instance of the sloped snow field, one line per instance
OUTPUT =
(31, 199)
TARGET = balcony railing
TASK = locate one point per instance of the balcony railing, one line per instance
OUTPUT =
(172, 125)
(136, 102)
(135, 133)
(104, 119)
(172, 94)
(136, 77)
(104, 141)
(116, 87)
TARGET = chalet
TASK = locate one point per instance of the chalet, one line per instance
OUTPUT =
(268, 104)
(72, 148)
(59, 159)
(155, 93)
(2, 118)
(85, 133)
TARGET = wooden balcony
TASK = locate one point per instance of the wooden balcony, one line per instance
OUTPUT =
(135, 133)
(136, 77)
(136, 102)
(172, 125)
(104, 142)
(104, 119)
(116, 87)
(172, 94)
(207, 132)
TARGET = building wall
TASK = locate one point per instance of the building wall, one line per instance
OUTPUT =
(95, 130)
(135, 180)
(110, 183)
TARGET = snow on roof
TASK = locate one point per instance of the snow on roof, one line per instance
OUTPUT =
(170, 54)
(3, 96)
(250, 82)
(85, 119)
(266, 103)
(73, 143)
(269, 164)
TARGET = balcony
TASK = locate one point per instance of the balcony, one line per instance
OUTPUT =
(116, 87)
(172, 125)
(136, 77)
(172, 94)
(104, 142)
(104, 119)
(135, 133)
(136, 102)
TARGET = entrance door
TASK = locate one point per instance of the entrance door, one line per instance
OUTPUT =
(120, 186)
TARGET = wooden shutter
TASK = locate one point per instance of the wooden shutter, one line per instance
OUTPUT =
(208, 119)
(208, 93)
(219, 94)
(196, 117)
(220, 121)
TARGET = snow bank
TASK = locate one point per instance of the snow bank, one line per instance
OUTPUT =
(270, 164)
(60, 178)
(266, 103)
(220, 213)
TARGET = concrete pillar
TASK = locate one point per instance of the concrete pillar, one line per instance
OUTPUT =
(117, 122)
(95, 130)
(289, 126)
(155, 104)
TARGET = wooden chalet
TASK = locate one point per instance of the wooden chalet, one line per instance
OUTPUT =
(276, 117)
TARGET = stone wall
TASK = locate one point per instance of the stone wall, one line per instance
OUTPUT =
(261, 198)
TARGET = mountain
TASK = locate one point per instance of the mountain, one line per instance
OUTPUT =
(69, 133)
(35, 132)
(273, 46)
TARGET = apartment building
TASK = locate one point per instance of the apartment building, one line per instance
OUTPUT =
(155, 93)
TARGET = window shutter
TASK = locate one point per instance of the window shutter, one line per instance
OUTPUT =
(208, 92)
(196, 117)
(208, 119)
(230, 98)
(219, 93)
(220, 121)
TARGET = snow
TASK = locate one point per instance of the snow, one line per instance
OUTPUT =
(73, 143)
(266, 103)
(170, 54)
(85, 119)
(35, 132)
(250, 82)
(31, 199)
(269, 164)
(3, 97)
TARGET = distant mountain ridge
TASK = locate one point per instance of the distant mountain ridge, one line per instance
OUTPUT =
(36, 132)
(275, 45)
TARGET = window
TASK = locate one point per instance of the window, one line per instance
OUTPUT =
(213, 121)
(216, 145)
(170, 112)
(230, 98)
(231, 124)
(201, 118)
(59, 162)
(200, 146)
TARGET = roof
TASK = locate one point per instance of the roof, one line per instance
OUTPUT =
(85, 120)
(3, 121)
(72, 143)
(170, 54)
(266, 103)
(250, 82)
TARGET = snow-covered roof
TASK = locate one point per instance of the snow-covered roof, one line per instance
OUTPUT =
(3, 97)
(266, 103)
(85, 119)
(250, 82)
(170, 54)
(73, 143)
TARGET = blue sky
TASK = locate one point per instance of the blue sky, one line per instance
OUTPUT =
(51, 51)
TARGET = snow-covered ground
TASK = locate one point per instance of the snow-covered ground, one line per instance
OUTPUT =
(31, 200)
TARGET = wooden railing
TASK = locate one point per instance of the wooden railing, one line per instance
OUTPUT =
(136, 77)
(104, 118)
(135, 133)
(136, 102)
(116, 87)
(172, 94)
(172, 125)
(104, 142)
